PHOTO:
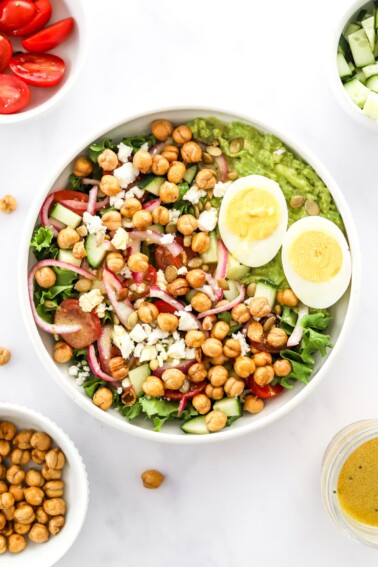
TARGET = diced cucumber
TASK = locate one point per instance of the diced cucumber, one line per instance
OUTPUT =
(376, 17)
(95, 254)
(357, 92)
(211, 255)
(371, 106)
(368, 26)
(157, 228)
(361, 16)
(289, 316)
(152, 184)
(376, 48)
(67, 256)
(230, 406)
(196, 426)
(190, 174)
(235, 270)
(351, 28)
(343, 46)
(351, 66)
(189, 295)
(370, 70)
(268, 290)
(343, 67)
(361, 49)
(64, 215)
(372, 83)
(360, 76)
(232, 292)
(137, 376)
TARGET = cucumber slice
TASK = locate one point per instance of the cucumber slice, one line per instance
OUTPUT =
(230, 406)
(368, 26)
(361, 49)
(370, 70)
(137, 376)
(67, 256)
(157, 228)
(211, 255)
(95, 254)
(371, 106)
(351, 28)
(235, 270)
(189, 295)
(372, 83)
(268, 290)
(376, 18)
(343, 46)
(351, 66)
(152, 184)
(64, 215)
(361, 16)
(343, 67)
(196, 426)
(360, 76)
(232, 292)
(357, 92)
(190, 174)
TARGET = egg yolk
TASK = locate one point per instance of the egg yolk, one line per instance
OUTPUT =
(253, 214)
(315, 256)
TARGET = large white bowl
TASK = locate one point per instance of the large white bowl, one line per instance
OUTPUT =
(276, 407)
(72, 50)
(76, 491)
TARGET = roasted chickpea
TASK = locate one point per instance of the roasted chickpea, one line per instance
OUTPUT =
(168, 192)
(142, 160)
(24, 515)
(259, 307)
(62, 352)
(112, 220)
(34, 495)
(196, 278)
(220, 330)
(6, 501)
(176, 172)
(232, 348)
(118, 368)
(20, 457)
(234, 387)
(147, 312)
(142, 219)
(173, 378)
(38, 456)
(200, 242)
(206, 179)
(219, 360)
(201, 302)
(153, 386)
(263, 375)
(3, 544)
(255, 331)
(182, 134)
(138, 262)
(45, 277)
(54, 488)
(197, 372)
(201, 403)
(83, 285)
(110, 185)
(3, 521)
(253, 404)
(152, 479)
(277, 337)
(5, 356)
(178, 287)
(212, 347)
(171, 153)
(54, 507)
(3, 471)
(17, 491)
(108, 160)
(282, 368)
(56, 524)
(244, 366)
(194, 338)
(9, 513)
(262, 359)
(39, 533)
(78, 251)
(287, 297)
(103, 399)
(115, 262)
(16, 543)
(83, 167)
(160, 215)
(217, 375)
(159, 165)
(15, 475)
(187, 224)
(34, 478)
(167, 322)
(208, 321)
(3, 487)
(55, 458)
(191, 152)
(130, 206)
(7, 430)
(5, 448)
(216, 420)
(41, 516)
(67, 238)
(161, 129)
(240, 313)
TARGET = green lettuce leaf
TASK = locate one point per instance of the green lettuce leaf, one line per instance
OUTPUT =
(90, 386)
(136, 142)
(96, 149)
(318, 320)
(312, 342)
(42, 238)
(64, 277)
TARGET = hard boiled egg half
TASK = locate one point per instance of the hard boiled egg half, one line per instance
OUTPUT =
(316, 261)
(253, 219)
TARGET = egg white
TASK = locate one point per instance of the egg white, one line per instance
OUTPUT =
(319, 295)
(259, 252)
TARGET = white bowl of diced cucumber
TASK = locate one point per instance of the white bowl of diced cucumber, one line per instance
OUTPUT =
(354, 73)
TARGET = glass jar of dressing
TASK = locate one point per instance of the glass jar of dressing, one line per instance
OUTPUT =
(350, 481)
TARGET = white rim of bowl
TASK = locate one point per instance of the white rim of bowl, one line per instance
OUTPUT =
(228, 433)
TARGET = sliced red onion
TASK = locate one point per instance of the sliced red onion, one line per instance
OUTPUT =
(104, 345)
(151, 235)
(44, 215)
(89, 181)
(135, 247)
(214, 286)
(183, 366)
(158, 147)
(81, 206)
(121, 308)
(297, 334)
(91, 205)
(160, 294)
(151, 205)
(223, 167)
(227, 306)
(221, 268)
(138, 277)
(94, 365)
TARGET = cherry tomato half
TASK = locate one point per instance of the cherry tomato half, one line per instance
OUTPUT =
(14, 94)
(164, 258)
(6, 51)
(69, 312)
(50, 37)
(150, 276)
(69, 197)
(265, 392)
(165, 307)
(15, 14)
(39, 69)
(194, 389)
(40, 19)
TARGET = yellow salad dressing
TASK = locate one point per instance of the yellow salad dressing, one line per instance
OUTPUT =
(357, 486)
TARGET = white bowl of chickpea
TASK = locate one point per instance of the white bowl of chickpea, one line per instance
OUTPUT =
(44, 489)
(342, 312)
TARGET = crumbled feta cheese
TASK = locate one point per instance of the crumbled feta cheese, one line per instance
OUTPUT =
(73, 370)
(186, 321)
(124, 152)
(221, 188)
(156, 335)
(117, 200)
(160, 280)
(148, 353)
(248, 301)
(138, 303)
(120, 239)
(123, 341)
(88, 301)
(208, 219)
(100, 310)
(188, 308)
(279, 152)
(174, 215)
(86, 368)
(144, 146)
(93, 223)
(127, 223)
(138, 334)
(190, 353)
(182, 271)
(81, 379)
(126, 383)
(119, 390)
(126, 272)
(126, 174)
(209, 291)
(138, 349)
(167, 239)
(194, 195)
(243, 343)
(135, 192)
(177, 349)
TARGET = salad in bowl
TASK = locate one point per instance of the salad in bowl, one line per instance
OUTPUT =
(188, 273)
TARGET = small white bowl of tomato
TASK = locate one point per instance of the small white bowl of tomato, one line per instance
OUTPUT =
(42, 50)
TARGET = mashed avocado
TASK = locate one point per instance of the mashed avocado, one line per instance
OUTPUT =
(265, 154)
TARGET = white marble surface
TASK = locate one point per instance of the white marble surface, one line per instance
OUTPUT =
(255, 500)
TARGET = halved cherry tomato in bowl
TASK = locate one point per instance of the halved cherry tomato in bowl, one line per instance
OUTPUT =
(6, 51)
(14, 94)
(69, 312)
(68, 197)
(165, 307)
(150, 276)
(164, 258)
(15, 14)
(265, 392)
(42, 15)
(39, 69)
(49, 37)
(194, 389)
